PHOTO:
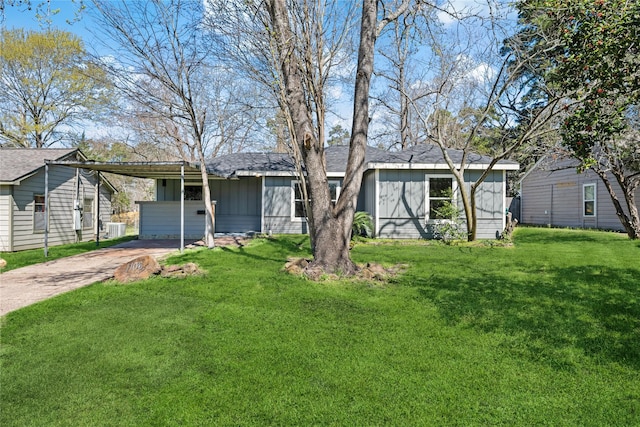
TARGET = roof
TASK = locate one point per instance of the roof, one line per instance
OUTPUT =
(19, 163)
(425, 156)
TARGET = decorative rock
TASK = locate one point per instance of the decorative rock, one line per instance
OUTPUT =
(3, 263)
(137, 269)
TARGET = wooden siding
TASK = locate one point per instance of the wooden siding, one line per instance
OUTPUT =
(238, 203)
(402, 203)
(554, 198)
(161, 220)
(60, 212)
(277, 207)
(6, 214)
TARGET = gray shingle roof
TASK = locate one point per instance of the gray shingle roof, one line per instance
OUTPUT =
(16, 163)
(336, 157)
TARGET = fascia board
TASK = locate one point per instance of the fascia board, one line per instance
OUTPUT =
(439, 166)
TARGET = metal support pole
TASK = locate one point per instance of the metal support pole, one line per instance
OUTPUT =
(98, 211)
(182, 208)
(46, 209)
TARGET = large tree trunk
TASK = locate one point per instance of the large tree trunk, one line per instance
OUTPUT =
(330, 225)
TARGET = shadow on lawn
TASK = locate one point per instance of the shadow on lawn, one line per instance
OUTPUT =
(592, 309)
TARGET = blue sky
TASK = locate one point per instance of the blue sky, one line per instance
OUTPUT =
(21, 17)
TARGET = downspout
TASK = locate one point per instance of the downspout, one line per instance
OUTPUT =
(98, 211)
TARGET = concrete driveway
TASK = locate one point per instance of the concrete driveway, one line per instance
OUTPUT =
(24, 286)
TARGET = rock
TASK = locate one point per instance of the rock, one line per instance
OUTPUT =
(137, 269)
(190, 268)
(3, 263)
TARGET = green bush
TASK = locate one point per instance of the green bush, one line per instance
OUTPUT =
(362, 225)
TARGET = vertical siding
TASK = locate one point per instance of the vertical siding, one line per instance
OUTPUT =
(6, 214)
(554, 197)
(277, 207)
(238, 202)
(401, 204)
(490, 203)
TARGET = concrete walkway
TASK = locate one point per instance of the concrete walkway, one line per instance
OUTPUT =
(24, 286)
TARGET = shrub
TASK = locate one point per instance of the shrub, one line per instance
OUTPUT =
(362, 225)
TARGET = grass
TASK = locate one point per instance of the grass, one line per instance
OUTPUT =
(36, 256)
(543, 333)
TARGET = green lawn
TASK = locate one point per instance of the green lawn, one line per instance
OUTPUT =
(36, 256)
(543, 333)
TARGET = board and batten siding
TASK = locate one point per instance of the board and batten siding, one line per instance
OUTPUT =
(60, 210)
(402, 209)
(238, 204)
(277, 207)
(161, 220)
(555, 198)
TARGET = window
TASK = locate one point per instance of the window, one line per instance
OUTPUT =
(193, 192)
(87, 213)
(39, 212)
(440, 192)
(589, 200)
(298, 209)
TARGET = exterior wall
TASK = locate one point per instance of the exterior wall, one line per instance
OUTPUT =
(6, 214)
(402, 209)
(60, 213)
(238, 204)
(278, 206)
(161, 220)
(368, 191)
(554, 198)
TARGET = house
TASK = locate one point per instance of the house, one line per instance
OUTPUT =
(259, 192)
(553, 193)
(73, 213)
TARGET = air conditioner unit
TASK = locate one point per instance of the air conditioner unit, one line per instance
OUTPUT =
(116, 229)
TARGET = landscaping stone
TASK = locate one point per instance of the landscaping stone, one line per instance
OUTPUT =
(188, 269)
(137, 269)
(3, 263)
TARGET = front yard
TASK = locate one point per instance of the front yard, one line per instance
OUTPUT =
(543, 333)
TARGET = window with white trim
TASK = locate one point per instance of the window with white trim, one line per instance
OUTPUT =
(440, 190)
(298, 206)
(589, 200)
(39, 212)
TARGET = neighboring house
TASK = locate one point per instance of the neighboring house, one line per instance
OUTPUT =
(259, 192)
(73, 194)
(553, 193)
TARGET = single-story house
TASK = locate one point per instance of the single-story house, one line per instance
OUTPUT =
(258, 192)
(73, 212)
(553, 193)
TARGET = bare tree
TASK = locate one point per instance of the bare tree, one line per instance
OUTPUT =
(476, 103)
(163, 65)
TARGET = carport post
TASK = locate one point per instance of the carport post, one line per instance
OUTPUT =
(98, 211)
(46, 209)
(182, 208)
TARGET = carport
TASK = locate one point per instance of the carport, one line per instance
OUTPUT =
(147, 170)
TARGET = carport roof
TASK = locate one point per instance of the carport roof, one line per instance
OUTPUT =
(149, 170)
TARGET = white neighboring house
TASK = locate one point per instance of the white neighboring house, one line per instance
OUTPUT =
(73, 212)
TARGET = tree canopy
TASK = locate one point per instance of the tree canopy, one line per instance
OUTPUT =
(48, 87)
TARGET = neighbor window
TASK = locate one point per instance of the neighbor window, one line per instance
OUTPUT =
(39, 211)
(589, 200)
(440, 192)
(298, 208)
(87, 213)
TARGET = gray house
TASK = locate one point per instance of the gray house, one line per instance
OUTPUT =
(553, 193)
(73, 199)
(259, 192)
